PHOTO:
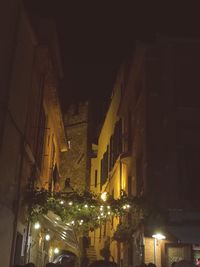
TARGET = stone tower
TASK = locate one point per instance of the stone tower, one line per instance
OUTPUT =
(77, 158)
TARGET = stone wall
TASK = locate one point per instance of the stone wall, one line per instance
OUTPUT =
(76, 159)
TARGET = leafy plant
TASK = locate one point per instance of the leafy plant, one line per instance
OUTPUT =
(123, 233)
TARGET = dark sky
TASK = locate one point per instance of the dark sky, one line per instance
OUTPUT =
(96, 38)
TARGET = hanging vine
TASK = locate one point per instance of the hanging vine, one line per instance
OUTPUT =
(83, 210)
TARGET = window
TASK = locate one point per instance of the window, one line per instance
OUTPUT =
(129, 131)
(129, 185)
(111, 161)
(95, 179)
(115, 144)
(104, 167)
(139, 172)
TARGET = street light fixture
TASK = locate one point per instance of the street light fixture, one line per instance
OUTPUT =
(157, 236)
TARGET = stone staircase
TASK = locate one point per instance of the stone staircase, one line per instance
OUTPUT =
(91, 254)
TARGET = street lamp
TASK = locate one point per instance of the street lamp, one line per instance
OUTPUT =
(157, 236)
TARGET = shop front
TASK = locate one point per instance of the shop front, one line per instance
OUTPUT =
(173, 244)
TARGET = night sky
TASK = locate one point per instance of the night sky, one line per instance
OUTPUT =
(95, 39)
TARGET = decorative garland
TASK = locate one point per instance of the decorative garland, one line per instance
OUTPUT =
(84, 210)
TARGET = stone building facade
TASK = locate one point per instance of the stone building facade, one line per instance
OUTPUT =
(77, 126)
(158, 155)
(32, 136)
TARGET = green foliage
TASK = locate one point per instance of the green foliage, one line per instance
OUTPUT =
(123, 233)
(83, 210)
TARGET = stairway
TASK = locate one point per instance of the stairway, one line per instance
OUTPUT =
(91, 254)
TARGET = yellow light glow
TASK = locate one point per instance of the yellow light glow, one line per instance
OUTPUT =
(61, 202)
(50, 252)
(37, 225)
(47, 237)
(104, 196)
(56, 250)
(159, 236)
(124, 176)
(70, 203)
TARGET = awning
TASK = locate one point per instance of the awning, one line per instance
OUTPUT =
(62, 231)
(185, 233)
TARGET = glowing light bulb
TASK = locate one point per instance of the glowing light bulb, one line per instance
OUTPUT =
(37, 225)
(62, 202)
(56, 250)
(47, 237)
(70, 203)
(104, 196)
(159, 236)
(86, 206)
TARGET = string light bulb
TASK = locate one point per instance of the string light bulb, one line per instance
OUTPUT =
(47, 237)
(37, 225)
(104, 196)
(56, 250)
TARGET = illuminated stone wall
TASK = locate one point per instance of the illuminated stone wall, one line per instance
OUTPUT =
(77, 158)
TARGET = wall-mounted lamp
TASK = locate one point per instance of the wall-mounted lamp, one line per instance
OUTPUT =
(157, 236)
